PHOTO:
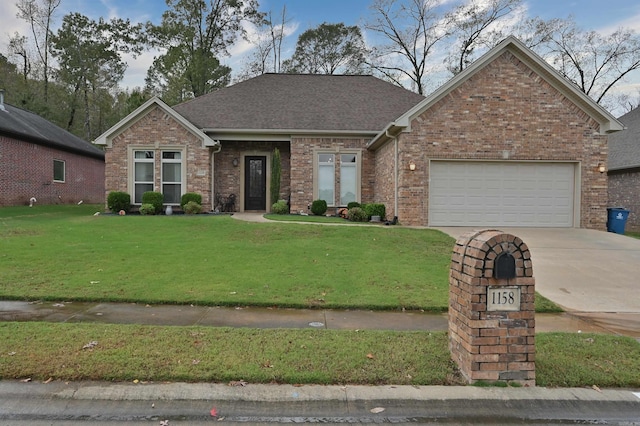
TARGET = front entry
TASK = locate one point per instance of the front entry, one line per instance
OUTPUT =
(255, 183)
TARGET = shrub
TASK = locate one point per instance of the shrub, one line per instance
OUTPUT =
(374, 209)
(117, 201)
(280, 207)
(192, 208)
(352, 205)
(357, 214)
(155, 198)
(276, 171)
(190, 196)
(319, 207)
(146, 209)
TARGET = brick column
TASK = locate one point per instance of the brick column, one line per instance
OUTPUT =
(491, 308)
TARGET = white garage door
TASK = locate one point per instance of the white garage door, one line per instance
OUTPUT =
(468, 193)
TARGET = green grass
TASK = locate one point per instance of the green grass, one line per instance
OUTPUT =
(632, 234)
(217, 260)
(66, 253)
(311, 219)
(197, 354)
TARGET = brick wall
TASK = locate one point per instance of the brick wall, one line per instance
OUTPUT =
(491, 345)
(624, 191)
(505, 107)
(156, 130)
(302, 150)
(27, 171)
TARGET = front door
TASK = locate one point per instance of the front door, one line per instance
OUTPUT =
(255, 183)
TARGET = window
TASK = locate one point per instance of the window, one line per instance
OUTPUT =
(346, 174)
(58, 171)
(348, 178)
(143, 174)
(172, 176)
(326, 178)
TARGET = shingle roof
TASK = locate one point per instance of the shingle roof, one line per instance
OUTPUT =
(624, 146)
(301, 102)
(25, 125)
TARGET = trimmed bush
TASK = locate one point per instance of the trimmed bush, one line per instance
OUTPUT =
(190, 196)
(374, 209)
(147, 209)
(276, 171)
(117, 201)
(155, 198)
(357, 214)
(352, 205)
(319, 207)
(192, 208)
(280, 207)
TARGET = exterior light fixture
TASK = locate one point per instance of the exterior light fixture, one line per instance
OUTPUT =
(601, 168)
(235, 162)
(412, 166)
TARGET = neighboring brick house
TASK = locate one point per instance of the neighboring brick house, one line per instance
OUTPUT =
(40, 160)
(624, 168)
(507, 142)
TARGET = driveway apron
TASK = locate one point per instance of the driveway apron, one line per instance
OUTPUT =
(581, 269)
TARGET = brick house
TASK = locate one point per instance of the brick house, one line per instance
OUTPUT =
(507, 142)
(624, 168)
(39, 159)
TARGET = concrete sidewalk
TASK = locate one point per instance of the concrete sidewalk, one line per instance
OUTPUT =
(181, 315)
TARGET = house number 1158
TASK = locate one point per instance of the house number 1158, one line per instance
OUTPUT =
(503, 299)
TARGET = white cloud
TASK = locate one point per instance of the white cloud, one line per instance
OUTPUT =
(10, 24)
(632, 22)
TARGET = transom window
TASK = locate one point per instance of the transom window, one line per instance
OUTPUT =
(58, 171)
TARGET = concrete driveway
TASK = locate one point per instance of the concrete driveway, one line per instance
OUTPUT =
(581, 269)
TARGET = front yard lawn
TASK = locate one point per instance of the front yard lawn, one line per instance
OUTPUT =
(65, 253)
(54, 253)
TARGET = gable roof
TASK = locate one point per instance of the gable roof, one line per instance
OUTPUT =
(624, 146)
(107, 137)
(608, 123)
(24, 125)
(300, 103)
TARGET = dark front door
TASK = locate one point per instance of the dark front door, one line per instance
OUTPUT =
(255, 183)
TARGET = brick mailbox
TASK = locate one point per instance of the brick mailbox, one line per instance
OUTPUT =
(491, 308)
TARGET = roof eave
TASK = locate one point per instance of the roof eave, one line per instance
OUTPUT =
(280, 134)
(106, 138)
(51, 143)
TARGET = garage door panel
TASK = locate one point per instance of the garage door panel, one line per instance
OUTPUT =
(467, 193)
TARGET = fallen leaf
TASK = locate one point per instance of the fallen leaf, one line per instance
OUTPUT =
(49, 380)
(377, 410)
(267, 364)
(12, 353)
(90, 345)
(164, 422)
(27, 380)
(238, 383)
(195, 362)
(370, 356)
(136, 381)
(596, 388)
(214, 412)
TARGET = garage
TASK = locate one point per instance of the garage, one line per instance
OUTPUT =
(494, 193)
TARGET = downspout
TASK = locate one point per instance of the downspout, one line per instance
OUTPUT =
(214, 151)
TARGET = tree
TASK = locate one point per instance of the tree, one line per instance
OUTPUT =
(40, 14)
(274, 185)
(194, 33)
(595, 62)
(328, 49)
(475, 24)
(89, 55)
(412, 29)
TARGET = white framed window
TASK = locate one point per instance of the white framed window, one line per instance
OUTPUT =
(58, 171)
(172, 176)
(143, 173)
(348, 178)
(326, 178)
(337, 177)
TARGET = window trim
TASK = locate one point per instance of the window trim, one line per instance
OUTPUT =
(182, 174)
(64, 171)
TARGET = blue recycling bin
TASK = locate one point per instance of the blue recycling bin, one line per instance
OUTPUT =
(616, 219)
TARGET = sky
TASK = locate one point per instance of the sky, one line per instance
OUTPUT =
(600, 15)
